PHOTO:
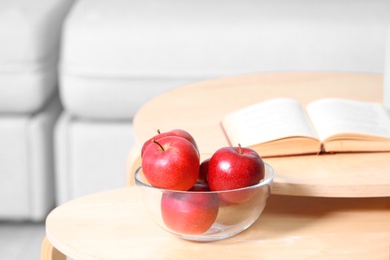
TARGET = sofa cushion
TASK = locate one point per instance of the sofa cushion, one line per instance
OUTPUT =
(90, 155)
(121, 40)
(110, 98)
(26, 163)
(30, 36)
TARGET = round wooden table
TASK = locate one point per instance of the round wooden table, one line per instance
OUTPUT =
(338, 208)
(200, 107)
(114, 225)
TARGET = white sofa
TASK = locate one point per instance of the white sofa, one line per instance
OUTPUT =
(29, 105)
(118, 54)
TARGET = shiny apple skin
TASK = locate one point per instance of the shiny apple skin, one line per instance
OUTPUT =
(203, 170)
(189, 213)
(173, 164)
(234, 168)
(175, 132)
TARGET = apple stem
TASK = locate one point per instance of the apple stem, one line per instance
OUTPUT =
(239, 149)
(162, 148)
(158, 131)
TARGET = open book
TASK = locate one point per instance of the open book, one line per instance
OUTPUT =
(282, 126)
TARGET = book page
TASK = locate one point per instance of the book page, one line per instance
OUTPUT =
(267, 121)
(341, 116)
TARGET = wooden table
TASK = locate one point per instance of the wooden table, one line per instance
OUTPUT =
(199, 108)
(114, 225)
(344, 213)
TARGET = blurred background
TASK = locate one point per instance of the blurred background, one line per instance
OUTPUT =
(73, 74)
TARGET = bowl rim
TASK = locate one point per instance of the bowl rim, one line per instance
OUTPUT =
(267, 180)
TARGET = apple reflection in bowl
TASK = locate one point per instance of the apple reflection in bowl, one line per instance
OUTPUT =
(203, 215)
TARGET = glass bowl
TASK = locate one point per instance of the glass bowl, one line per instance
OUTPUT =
(205, 215)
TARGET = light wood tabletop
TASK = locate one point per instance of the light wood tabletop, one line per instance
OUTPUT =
(115, 225)
(340, 208)
(199, 108)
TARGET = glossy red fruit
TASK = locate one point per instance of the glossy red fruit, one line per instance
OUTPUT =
(171, 163)
(200, 186)
(234, 168)
(176, 132)
(189, 213)
(203, 170)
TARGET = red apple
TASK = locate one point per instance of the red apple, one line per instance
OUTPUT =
(200, 186)
(203, 170)
(189, 212)
(233, 168)
(176, 132)
(171, 163)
